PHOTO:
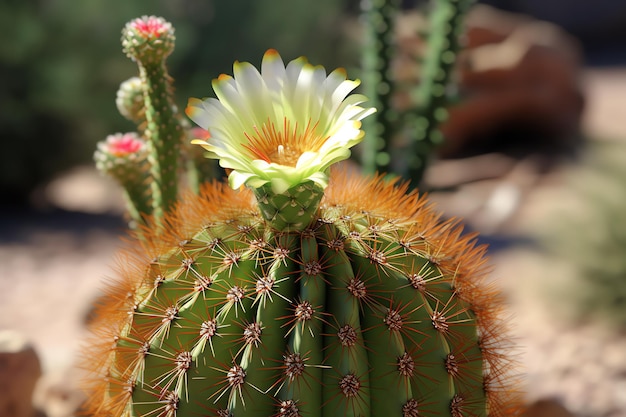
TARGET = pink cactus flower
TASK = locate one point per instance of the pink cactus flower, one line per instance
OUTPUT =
(121, 145)
(150, 26)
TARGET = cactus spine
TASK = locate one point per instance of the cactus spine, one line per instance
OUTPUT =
(306, 293)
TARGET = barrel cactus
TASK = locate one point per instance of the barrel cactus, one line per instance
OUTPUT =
(298, 289)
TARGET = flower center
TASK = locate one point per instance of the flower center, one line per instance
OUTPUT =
(283, 146)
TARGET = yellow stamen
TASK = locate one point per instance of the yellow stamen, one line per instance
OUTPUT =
(284, 146)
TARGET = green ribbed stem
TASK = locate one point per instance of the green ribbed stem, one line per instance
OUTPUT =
(432, 95)
(164, 134)
(138, 202)
(378, 54)
(291, 211)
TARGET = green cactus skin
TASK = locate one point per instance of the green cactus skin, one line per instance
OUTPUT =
(378, 53)
(432, 95)
(149, 41)
(131, 104)
(373, 308)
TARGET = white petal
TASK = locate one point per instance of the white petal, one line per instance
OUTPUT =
(255, 94)
(319, 178)
(273, 70)
(236, 179)
(307, 159)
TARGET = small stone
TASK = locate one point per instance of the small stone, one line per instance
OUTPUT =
(19, 372)
(547, 408)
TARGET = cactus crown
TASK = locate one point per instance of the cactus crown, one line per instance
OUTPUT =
(279, 131)
(121, 156)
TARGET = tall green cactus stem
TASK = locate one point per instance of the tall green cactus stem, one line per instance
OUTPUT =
(444, 34)
(123, 157)
(379, 18)
(265, 301)
(149, 41)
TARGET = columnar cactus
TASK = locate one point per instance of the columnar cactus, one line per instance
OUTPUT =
(378, 55)
(402, 140)
(148, 100)
(149, 41)
(436, 79)
(298, 290)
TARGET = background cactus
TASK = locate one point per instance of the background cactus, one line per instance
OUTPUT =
(402, 140)
(149, 41)
(305, 293)
(595, 289)
(378, 54)
(436, 87)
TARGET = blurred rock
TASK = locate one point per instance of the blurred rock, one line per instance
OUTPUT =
(19, 371)
(547, 408)
(519, 85)
(599, 25)
(519, 81)
(81, 189)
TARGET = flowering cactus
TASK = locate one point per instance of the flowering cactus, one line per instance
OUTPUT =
(301, 289)
(149, 41)
(124, 157)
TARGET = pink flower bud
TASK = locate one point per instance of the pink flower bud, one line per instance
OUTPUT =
(150, 27)
(124, 144)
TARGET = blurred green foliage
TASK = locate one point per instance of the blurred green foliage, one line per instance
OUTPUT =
(590, 237)
(61, 64)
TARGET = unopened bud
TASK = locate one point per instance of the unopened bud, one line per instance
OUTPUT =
(148, 39)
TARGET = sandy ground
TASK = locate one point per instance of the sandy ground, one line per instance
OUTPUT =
(52, 266)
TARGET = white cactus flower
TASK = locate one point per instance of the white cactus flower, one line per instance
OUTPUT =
(284, 125)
